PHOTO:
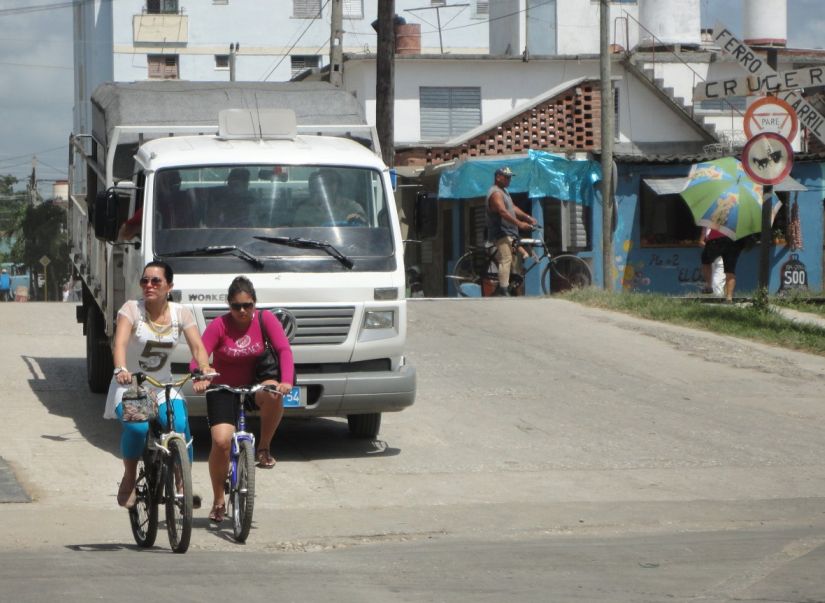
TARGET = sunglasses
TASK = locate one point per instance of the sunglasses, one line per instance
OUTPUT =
(243, 306)
(155, 281)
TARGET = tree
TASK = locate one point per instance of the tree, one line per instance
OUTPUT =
(12, 205)
(42, 232)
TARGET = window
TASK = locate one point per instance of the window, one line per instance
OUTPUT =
(306, 9)
(157, 7)
(220, 1)
(482, 8)
(302, 62)
(221, 61)
(665, 219)
(353, 9)
(448, 112)
(438, 2)
(163, 66)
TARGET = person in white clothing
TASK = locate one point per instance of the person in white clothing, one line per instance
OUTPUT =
(147, 331)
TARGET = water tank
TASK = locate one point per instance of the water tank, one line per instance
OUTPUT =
(408, 38)
(765, 22)
(669, 22)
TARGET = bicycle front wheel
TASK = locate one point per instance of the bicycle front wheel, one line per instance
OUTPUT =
(144, 515)
(565, 272)
(178, 496)
(465, 274)
(242, 492)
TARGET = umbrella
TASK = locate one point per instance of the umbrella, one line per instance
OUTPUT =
(721, 196)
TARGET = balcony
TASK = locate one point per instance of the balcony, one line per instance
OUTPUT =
(160, 29)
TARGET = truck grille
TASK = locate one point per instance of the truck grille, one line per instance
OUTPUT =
(311, 325)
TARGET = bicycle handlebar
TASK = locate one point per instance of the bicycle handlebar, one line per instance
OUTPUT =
(141, 377)
(249, 389)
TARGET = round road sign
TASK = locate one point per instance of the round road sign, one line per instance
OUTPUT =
(767, 158)
(771, 114)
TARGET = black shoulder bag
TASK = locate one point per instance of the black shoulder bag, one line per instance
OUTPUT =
(267, 366)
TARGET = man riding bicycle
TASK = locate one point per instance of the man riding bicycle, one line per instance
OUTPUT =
(504, 220)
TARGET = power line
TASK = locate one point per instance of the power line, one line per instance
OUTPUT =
(306, 29)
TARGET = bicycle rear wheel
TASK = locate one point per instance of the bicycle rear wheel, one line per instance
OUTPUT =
(565, 272)
(465, 273)
(242, 492)
(143, 517)
(178, 496)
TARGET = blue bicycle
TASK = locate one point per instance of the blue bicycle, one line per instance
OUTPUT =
(240, 481)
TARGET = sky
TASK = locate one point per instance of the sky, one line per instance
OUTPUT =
(37, 78)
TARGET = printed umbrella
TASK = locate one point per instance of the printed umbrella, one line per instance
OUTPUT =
(721, 196)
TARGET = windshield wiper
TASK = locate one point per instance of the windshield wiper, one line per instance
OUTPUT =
(218, 250)
(310, 244)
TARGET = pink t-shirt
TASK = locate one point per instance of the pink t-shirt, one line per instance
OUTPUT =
(234, 351)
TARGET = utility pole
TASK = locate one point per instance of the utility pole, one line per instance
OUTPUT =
(233, 50)
(385, 81)
(336, 43)
(607, 143)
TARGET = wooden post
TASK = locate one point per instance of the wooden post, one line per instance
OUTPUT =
(336, 41)
(385, 81)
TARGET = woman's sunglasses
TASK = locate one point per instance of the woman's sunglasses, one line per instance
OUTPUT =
(155, 281)
(243, 306)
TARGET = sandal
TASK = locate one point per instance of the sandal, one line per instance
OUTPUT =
(265, 460)
(217, 513)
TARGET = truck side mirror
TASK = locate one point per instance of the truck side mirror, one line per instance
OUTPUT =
(426, 215)
(105, 215)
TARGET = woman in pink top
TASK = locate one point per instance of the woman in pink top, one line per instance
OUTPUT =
(235, 341)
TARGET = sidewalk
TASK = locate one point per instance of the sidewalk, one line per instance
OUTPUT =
(801, 317)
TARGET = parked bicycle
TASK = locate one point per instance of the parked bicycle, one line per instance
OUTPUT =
(164, 472)
(240, 481)
(562, 272)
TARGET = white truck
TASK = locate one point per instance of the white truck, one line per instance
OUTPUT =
(226, 177)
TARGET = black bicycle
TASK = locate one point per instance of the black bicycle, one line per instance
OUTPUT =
(562, 272)
(164, 474)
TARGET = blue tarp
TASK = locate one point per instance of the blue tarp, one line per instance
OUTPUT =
(539, 174)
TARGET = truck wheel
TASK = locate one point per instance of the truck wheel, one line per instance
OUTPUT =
(99, 364)
(364, 426)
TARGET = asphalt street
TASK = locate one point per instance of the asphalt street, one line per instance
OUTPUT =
(554, 453)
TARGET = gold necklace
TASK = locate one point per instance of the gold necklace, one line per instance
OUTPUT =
(156, 327)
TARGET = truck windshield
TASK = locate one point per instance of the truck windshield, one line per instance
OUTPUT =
(233, 204)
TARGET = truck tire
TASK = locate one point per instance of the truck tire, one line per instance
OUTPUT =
(99, 364)
(364, 426)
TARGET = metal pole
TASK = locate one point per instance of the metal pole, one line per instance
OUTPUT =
(765, 236)
(607, 145)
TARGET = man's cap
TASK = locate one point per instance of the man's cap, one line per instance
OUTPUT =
(505, 171)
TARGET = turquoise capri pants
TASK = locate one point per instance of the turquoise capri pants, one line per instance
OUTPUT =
(133, 437)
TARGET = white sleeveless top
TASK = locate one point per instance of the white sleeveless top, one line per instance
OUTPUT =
(148, 350)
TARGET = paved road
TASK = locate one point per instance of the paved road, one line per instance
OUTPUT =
(555, 453)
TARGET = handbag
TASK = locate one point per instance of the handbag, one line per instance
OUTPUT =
(267, 366)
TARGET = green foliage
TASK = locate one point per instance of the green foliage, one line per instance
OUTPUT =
(42, 231)
(761, 302)
(746, 321)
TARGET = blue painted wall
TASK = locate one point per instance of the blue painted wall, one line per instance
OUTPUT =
(676, 270)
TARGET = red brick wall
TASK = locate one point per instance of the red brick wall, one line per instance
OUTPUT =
(570, 121)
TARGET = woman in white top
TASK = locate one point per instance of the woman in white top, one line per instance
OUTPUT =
(147, 332)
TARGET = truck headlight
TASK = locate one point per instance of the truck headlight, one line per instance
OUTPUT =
(379, 319)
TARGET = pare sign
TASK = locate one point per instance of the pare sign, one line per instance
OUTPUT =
(771, 114)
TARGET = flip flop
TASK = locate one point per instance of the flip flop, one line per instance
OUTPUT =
(216, 515)
(265, 460)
